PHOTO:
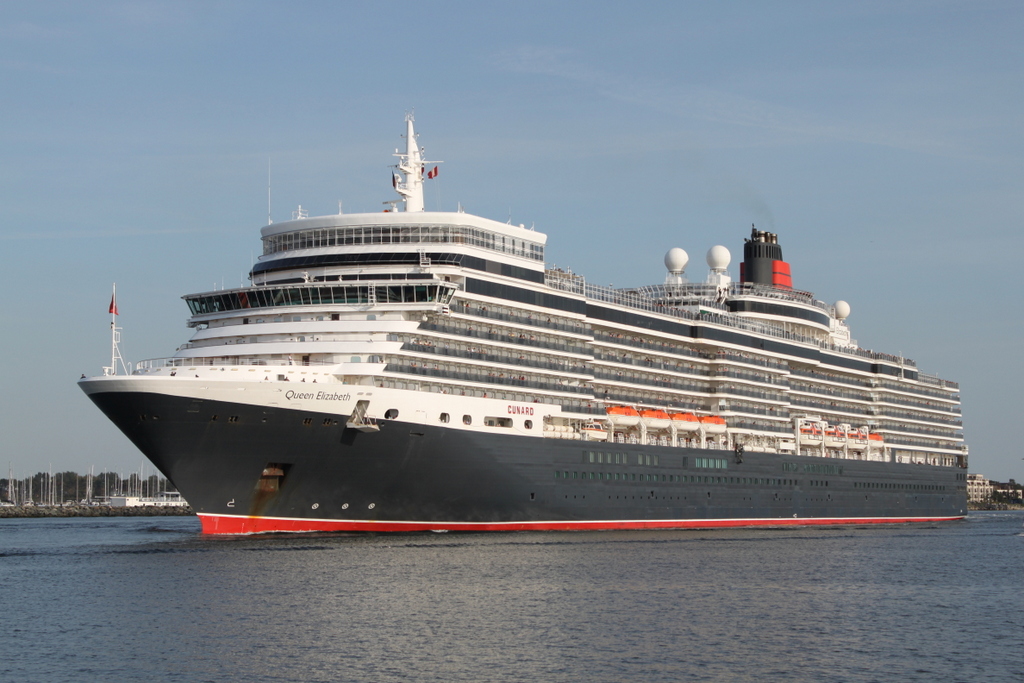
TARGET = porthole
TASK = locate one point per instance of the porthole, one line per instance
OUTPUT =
(445, 418)
(391, 413)
(467, 420)
(528, 424)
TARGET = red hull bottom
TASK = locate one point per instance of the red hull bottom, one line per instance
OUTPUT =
(238, 524)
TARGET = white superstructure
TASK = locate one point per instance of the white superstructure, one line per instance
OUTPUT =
(453, 319)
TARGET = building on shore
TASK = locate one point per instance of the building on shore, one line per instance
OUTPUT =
(979, 489)
(1008, 492)
(162, 499)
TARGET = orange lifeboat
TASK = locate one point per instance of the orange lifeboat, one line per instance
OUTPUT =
(713, 424)
(834, 437)
(811, 430)
(656, 419)
(857, 438)
(687, 422)
(875, 437)
(623, 416)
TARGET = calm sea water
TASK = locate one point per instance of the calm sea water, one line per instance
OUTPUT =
(150, 599)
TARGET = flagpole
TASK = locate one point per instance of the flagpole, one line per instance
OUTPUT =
(113, 330)
(115, 351)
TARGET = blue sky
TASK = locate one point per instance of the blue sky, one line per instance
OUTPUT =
(881, 140)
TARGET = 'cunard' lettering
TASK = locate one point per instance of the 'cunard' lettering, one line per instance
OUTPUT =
(520, 410)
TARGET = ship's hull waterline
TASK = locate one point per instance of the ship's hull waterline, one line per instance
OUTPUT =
(258, 468)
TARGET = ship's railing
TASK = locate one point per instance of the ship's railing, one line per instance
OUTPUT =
(504, 338)
(809, 402)
(319, 238)
(924, 431)
(576, 369)
(653, 365)
(828, 377)
(918, 417)
(482, 378)
(538, 321)
(273, 297)
(920, 391)
(750, 409)
(660, 383)
(823, 391)
(743, 424)
(666, 347)
(749, 392)
(662, 347)
(586, 410)
(677, 403)
(928, 443)
(940, 407)
(706, 294)
(632, 298)
(795, 295)
(933, 379)
(774, 380)
(153, 364)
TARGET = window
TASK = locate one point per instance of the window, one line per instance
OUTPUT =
(528, 424)
(445, 418)
(467, 420)
(391, 413)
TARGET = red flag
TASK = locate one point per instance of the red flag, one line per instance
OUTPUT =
(113, 305)
(433, 173)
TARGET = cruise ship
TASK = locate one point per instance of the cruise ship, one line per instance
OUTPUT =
(408, 370)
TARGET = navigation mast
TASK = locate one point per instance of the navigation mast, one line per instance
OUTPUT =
(411, 164)
(115, 338)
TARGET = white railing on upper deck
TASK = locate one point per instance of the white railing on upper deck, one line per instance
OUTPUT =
(633, 298)
(706, 291)
(155, 364)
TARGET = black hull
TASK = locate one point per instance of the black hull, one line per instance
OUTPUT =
(256, 468)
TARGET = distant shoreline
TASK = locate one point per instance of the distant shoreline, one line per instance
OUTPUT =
(40, 511)
(974, 507)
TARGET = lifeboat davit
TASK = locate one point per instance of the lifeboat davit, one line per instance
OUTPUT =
(687, 422)
(656, 419)
(713, 424)
(594, 431)
(623, 416)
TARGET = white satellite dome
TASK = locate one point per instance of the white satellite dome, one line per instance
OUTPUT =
(842, 310)
(718, 257)
(676, 260)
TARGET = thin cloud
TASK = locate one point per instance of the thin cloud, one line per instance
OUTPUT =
(117, 232)
(715, 106)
